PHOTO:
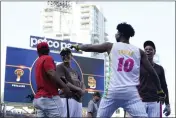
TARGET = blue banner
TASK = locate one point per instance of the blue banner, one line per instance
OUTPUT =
(54, 44)
(20, 74)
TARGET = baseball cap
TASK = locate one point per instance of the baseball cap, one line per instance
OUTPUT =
(97, 94)
(149, 43)
(42, 45)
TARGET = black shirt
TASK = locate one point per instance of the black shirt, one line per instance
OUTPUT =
(147, 89)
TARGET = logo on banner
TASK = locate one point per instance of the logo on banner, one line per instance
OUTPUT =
(91, 82)
(54, 44)
(18, 73)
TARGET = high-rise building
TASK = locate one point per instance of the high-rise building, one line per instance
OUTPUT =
(56, 19)
(77, 22)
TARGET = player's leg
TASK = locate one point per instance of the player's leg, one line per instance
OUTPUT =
(79, 110)
(107, 107)
(40, 113)
(51, 107)
(64, 102)
(76, 108)
(37, 106)
(153, 109)
(135, 107)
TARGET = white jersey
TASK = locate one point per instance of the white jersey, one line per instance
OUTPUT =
(124, 68)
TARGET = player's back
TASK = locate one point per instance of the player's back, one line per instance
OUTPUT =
(124, 67)
(45, 86)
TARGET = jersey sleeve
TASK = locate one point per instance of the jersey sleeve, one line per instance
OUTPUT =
(49, 64)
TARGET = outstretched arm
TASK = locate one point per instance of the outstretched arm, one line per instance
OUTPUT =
(100, 48)
(146, 64)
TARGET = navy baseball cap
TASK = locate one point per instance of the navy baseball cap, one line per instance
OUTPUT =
(65, 51)
(97, 94)
(149, 43)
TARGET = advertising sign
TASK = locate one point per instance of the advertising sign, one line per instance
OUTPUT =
(20, 74)
(54, 44)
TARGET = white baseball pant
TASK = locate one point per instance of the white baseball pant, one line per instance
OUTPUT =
(135, 107)
(153, 109)
(75, 108)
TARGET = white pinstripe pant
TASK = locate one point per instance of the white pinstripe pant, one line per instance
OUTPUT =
(135, 107)
(75, 108)
(152, 109)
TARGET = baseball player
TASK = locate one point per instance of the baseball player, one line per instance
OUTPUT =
(125, 60)
(47, 101)
(147, 89)
(93, 105)
(73, 81)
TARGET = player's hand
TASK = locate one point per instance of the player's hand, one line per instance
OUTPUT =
(69, 95)
(75, 46)
(167, 110)
(78, 95)
(161, 96)
(66, 90)
(81, 92)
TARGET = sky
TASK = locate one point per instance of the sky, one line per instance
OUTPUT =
(151, 20)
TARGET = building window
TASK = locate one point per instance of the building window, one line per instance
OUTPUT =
(85, 12)
(84, 6)
(58, 35)
(66, 34)
(66, 39)
(48, 21)
(84, 25)
(48, 10)
(96, 29)
(84, 18)
(48, 17)
(47, 27)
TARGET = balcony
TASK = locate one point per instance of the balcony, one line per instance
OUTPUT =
(48, 21)
(85, 10)
(85, 21)
(84, 17)
(47, 27)
(48, 10)
(85, 6)
(85, 14)
(95, 40)
(95, 34)
(105, 20)
(58, 35)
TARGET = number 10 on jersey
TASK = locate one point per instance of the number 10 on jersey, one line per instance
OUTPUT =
(125, 65)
